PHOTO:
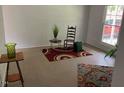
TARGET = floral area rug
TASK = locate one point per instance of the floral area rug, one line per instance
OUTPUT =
(94, 76)
(56, 54)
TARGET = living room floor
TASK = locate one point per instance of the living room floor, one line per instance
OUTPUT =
(39, 72)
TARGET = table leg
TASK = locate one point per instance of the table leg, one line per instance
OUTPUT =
(59, 44)
(7, 72)
(51, 45)
(20, 73)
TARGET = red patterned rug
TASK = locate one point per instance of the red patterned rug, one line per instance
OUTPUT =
(56, 54)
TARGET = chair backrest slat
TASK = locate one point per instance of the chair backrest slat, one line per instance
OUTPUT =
(71, 32)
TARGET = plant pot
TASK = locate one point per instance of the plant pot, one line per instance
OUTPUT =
(55, 39)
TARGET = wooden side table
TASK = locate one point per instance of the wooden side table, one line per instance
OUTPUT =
(13, 77)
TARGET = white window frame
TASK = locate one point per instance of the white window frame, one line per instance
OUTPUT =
(103, 23)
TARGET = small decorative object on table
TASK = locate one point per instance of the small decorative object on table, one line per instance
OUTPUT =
(11, 52)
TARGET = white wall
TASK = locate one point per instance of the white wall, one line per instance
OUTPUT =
(95, 27)
(31, 26)
(118, 76)
(2, 49)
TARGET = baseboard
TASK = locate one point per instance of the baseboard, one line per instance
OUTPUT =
(89, 45)
(103, 50)
(42, 46)
(33, 47)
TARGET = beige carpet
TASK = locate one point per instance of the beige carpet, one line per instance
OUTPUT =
(38, 72)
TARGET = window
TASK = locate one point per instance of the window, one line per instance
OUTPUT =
(112, 24)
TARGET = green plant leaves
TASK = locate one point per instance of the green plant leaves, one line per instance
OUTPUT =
(111, 52)
(55, 31)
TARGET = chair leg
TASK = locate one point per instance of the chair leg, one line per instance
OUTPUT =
(65, 44)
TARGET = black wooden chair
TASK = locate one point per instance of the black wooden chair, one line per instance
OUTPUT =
(70, 39)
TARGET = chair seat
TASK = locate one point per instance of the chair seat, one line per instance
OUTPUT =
(69, 40)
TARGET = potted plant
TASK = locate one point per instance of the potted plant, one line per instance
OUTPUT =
(111, 52)
(55, 32)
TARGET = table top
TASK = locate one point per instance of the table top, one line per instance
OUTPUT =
(55, 41)
(5, 59)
